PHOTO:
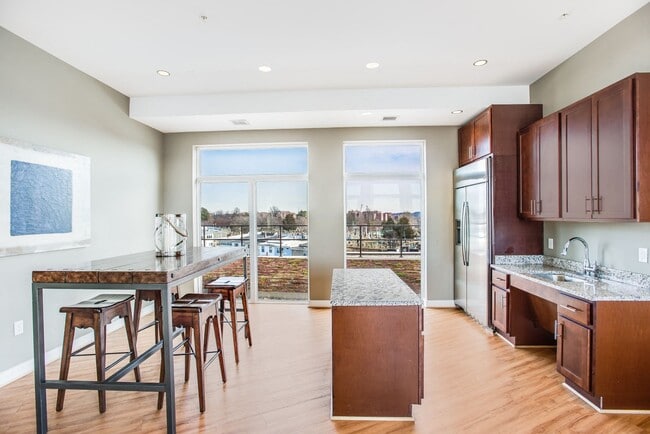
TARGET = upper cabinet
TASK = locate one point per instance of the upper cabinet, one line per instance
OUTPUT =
(598, 156)
(539, 169)
(492, 131)
(604, 158)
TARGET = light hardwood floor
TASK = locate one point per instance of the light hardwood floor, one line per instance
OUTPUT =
(473, 383)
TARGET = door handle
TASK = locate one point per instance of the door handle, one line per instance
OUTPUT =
(462, 233)
(467, 233)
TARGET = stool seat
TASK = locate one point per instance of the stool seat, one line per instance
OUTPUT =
(96, 313)
(195, 312)
(231, 287)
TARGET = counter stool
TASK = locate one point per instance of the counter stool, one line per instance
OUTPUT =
(192, 313)
(230, 288)
(150, 295)
(97, 312)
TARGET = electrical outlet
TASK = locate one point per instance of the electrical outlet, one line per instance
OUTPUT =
(18, 328)
(550, 243)
(643, 255)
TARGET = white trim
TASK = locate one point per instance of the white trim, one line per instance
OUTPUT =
(379, 419)
(320, 304)
(27, 367)
(601, 410)
(439, 303)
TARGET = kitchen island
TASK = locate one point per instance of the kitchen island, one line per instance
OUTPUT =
(377, 346)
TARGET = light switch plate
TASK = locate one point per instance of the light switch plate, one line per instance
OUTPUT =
(643, 255)
(550, 243)
(18, 328)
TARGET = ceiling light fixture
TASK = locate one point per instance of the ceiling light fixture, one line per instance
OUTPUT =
(389, 118)
(564, 16)
(163, 73)
(372, 65)
(480, 62)
(456, 112)
(265, 68)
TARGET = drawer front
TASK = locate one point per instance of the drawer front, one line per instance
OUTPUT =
(500, 279)
(574, 308)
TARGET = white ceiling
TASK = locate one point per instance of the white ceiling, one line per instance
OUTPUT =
(317, 51)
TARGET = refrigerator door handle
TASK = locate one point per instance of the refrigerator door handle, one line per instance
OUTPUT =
(462, 232)
(467, 232)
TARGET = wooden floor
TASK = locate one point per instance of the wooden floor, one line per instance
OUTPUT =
(473, 383)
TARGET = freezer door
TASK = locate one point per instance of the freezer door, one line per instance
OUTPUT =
(460, 271)
(477, 267)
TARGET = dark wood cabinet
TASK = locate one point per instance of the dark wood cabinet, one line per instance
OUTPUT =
(574, 351)
(493, 131)
(500, 304)
(598, 156)
(539, 169)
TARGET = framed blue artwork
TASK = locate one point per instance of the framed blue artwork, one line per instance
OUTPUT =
(44, 199)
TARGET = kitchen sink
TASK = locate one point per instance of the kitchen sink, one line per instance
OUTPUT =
(559, 277)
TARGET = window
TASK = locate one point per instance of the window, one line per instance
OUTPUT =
(384, 200)
(261, 190)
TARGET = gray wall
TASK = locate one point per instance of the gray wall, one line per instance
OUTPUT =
(47, 102)
(620, 52)
(326, 219)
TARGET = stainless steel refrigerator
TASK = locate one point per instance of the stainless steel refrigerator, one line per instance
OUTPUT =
(472, 249)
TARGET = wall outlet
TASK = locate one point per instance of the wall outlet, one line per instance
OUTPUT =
(550, 243)
(18, 328)
(643, 255)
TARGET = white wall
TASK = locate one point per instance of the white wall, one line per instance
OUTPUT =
(47, 102)
(326, 207)
(620, 52)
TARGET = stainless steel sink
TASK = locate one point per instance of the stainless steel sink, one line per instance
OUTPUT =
(559, 277)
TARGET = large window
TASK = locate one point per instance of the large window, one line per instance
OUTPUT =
(261, 190)
(384, 203)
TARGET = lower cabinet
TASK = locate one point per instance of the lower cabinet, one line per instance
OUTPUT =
(500, 309)
(574, 352)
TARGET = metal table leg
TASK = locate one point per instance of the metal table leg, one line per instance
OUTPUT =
(39, 359)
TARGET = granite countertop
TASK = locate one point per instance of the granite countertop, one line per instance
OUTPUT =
(591, 290)
(371, 287)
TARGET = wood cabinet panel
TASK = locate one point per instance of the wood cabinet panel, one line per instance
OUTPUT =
(528, 172)
(500, 309)
(482, 134)
(613, 152)
(548, 205)
(465, 144)
(576, 161)
(574, 352)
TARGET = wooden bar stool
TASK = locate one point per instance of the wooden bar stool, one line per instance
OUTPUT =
(193, 312)
(230, 288)
(96, 313)
(150, 295)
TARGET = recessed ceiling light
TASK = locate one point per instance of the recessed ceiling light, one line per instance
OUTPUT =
(480, 62)
(389, 118)
(372, 65)
(456, 112)
(163, 73)
(239, 122)
(265, 68)
(564, 16)
(366, 114)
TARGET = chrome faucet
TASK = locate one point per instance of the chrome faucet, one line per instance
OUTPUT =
(588, 269)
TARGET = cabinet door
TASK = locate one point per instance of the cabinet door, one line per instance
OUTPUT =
(528, 174)
(500, 309)
(482, 134)
(613, 152)
(548, 142)
(465, 144)
(574, 352)
(577, 200)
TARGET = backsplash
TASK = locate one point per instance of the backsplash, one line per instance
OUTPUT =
(628, 277)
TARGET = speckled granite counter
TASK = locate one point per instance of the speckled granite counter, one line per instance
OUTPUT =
(591, 289)
(371, 287)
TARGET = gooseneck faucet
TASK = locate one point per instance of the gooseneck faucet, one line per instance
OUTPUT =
(587, 267)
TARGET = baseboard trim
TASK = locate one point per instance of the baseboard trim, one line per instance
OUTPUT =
(440, 303)
(27, 367)
(320, 304)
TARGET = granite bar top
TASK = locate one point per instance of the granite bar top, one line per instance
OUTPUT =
(371, 287)
(591, 289)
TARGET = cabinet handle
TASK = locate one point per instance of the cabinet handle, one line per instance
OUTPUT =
(599, 204)
(569, 308)
(589, 204)
(558, 330)
(503, 301)
(532, 207)
(555, 330)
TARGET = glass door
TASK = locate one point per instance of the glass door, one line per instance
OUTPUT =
(282, 240)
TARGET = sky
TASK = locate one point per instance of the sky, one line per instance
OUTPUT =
(286, 196)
